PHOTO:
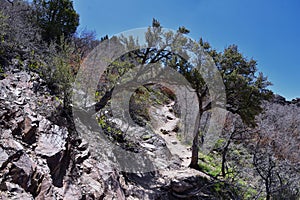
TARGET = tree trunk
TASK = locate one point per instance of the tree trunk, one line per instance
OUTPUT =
(195, 149)
(268, 197)
(224, 162)
(224, 153)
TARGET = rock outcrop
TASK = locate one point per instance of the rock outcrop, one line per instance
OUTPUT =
(281, 100)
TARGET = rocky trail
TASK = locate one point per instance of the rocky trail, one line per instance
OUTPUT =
(165, 124)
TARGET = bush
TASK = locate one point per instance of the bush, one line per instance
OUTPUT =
(58, 72)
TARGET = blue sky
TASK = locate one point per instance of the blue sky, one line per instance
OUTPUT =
(266, 30)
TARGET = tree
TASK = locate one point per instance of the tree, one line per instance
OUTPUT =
(234, 131)
(56, 18)
(60, 72)
(85, 42)
(244, 89)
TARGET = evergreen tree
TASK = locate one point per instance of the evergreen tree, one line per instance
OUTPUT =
(56, 18)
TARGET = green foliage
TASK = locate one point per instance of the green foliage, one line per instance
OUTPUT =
(205, 167)
(155, 23)
(113, 133)
(1, 72)
(219, 144)
(244, 89)
(139, 104)
(249, 191)
(56, 18)
(59, 72)
(219, 186)
(34, 65)
(210, 164)
(102, 121)
(3, 27)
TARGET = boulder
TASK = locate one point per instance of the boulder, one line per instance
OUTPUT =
(51, 142)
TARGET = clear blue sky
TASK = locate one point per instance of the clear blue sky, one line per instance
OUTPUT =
(266, 30)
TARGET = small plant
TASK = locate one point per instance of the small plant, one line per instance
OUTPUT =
(34, 66)
(58, 100)
(102, 121)
(209, 164)
(2, 75)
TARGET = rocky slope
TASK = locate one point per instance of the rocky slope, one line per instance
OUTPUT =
(42, 156)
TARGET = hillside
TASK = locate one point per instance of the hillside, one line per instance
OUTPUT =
(151, 115)
(40, 160)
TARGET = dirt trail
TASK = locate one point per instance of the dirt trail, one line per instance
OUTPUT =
(165, 122)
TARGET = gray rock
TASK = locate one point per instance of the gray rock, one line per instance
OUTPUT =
(17, 192)
(9, 142)
(181, 186)
(53, 142)
(174, 142)
(29, 131)
(92, 187)
(148, 146)
(71, 191)
(47, 191)
(3, 156)
(83, 145)
(146, 137)
(18, 92)
(25, 164)
(20, 101)
(44, 125)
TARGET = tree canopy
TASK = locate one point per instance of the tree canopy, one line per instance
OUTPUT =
(56, 18)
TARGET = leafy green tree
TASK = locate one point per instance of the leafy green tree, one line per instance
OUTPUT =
(56, 18)
(245, 91)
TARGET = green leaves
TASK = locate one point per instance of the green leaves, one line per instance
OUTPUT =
(245, 91)
(56, 18)
(3, 26)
